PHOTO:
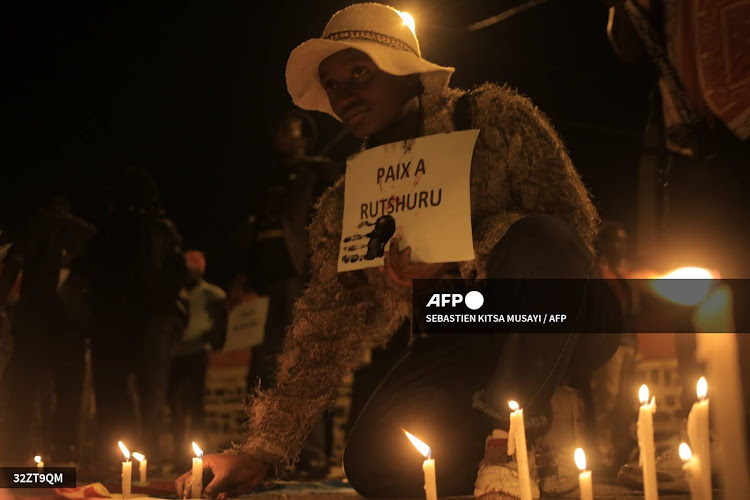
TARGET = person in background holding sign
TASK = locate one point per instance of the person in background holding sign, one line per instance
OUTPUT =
(530, 215)
(206, 330)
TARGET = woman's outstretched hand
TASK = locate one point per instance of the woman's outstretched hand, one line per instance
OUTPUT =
(401, 270)
(233, 474)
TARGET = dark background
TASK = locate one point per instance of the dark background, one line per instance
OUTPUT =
(190, 89)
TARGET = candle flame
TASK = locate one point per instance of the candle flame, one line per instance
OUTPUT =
(197, 450)
(408, 20)
(685, 452)
(37, 459)
(701, 388)
(419, 445)
(513, 405)
(580, 459)
(124, 450)
(643, 394)
(688, 294)
(138, 456)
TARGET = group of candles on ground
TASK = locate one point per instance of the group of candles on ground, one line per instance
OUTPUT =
(697, 464)
(718, 351)
(196, 485)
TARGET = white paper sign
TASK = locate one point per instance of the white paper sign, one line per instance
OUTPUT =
(416, 190)
(246, 326)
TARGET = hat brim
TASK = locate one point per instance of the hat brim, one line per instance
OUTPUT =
(303, 80)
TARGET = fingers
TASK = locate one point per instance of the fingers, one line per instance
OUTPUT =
(218, 485)
(179, 484)
(396, 264)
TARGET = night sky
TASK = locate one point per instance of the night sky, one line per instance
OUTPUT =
(189, 89)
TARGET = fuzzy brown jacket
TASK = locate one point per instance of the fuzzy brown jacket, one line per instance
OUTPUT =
(519, 167)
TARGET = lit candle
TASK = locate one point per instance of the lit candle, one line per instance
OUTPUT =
(699, 437)
(517, 445)
(127, 470)
(428, 466)
(584, 478)
(692, 467)
(142, 466)
(646, 443)
(39, 463)
(197, 483)
(720, 353)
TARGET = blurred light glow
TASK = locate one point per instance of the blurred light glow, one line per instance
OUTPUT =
(513, 405)
(408, 20)
(138, 456)
(686, 293)
(197, 450)
(685, 452)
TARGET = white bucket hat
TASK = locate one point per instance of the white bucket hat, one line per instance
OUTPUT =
(375, 29)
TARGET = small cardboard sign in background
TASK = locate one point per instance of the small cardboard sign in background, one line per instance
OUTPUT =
(247, 324)
(417, 190)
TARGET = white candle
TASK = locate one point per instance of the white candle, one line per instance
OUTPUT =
(584, 478)
(428, 466)
(142, 467)
(197, 483)
(720, 353)
(699, 437)
(646, 443)
(39, 463)
(127, 470)
(692, 467)
(517, 445)
(430, 482)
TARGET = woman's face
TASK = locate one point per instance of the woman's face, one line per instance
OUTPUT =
(365, 98)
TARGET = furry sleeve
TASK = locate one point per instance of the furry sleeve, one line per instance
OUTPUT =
(338, 317)
(520, 167)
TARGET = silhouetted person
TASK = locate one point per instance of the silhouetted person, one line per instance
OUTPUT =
(280, 259)
(611, 396)
(206, 330)
(136, 270)
(47, 345)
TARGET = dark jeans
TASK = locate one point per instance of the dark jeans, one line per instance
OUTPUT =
(128, 343)
(187, 384)
(48, 350)
(432, 390)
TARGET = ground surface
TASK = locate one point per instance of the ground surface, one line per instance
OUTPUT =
(324, 490)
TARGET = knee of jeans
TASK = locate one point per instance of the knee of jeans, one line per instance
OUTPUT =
(540, 246)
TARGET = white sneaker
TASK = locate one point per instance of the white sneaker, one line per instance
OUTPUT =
(554, 452)
(669, 474)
